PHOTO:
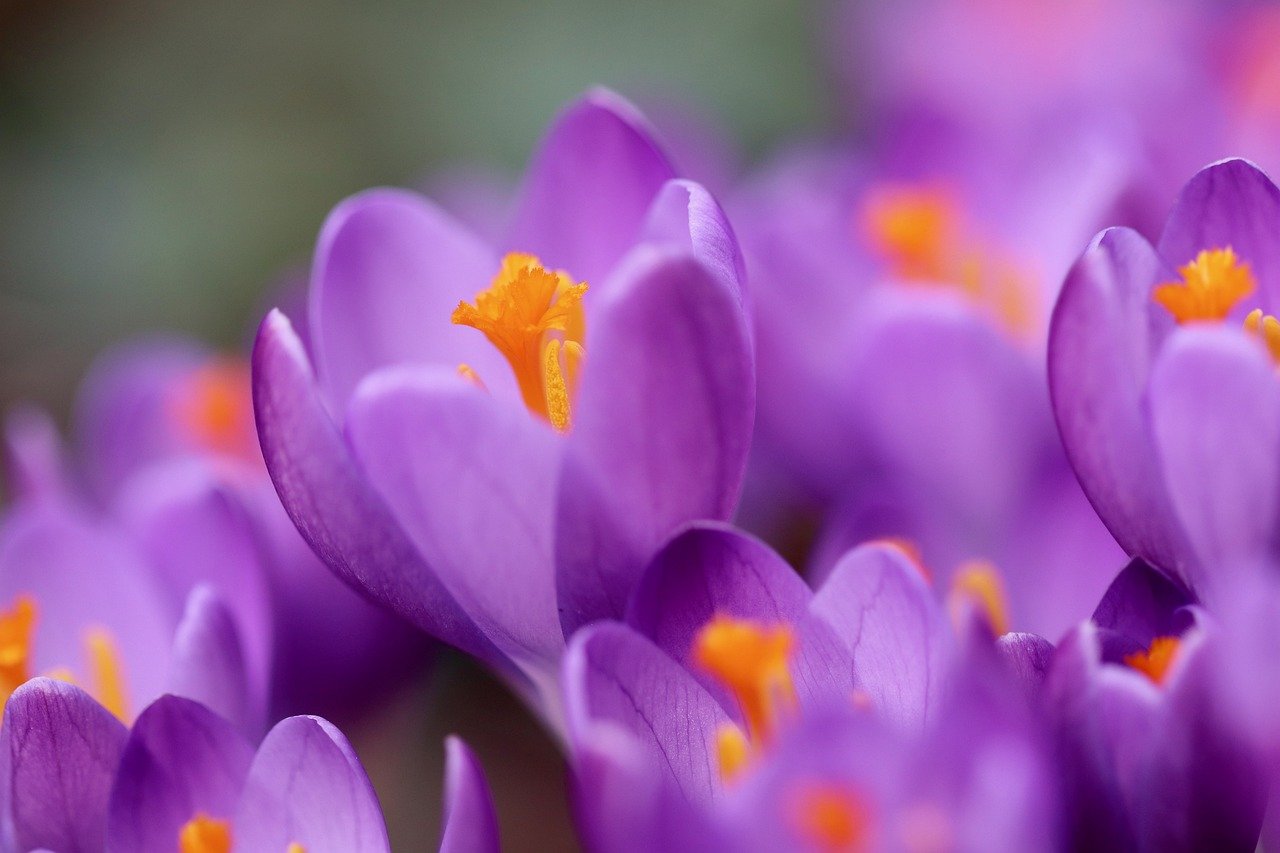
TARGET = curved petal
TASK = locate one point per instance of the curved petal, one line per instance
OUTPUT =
(1140, 605)
(1229, 203)
(34, 456)
(389, 269)
(334, 507)
(208, 664)
(713, 569)
(83, 576)
(1029, 656)
(181, 760)
(470, 821)
(612, 675)
(662, 425)
(1215, 416)
(897, 636)
(306, 786)
(194, 531)
(58, 755)
(1101, 341)
(684, 214)
(471, 480)
(589, 186)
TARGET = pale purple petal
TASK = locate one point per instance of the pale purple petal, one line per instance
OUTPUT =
(1028, 656)
(612, 675)
(684, 214)
(1104, 331)
(588, 188)
(470, 822)
(35, 467)
(181, 760)
(471, 480)
(1215, 416)
(306, 786)
(58, 755)
(389, 269)
(208, 664)
(661, 431)
(332, 503)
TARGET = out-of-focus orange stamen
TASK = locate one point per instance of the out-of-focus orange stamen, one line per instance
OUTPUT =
(832, 818)
(977, 583)
(751, 660)
(205, 834)
(17, 628)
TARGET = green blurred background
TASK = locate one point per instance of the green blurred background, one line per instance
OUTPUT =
(164, 162)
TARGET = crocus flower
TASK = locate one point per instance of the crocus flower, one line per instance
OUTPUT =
(899, 329)
(491, 439)
(749, 714)
(165, 451)
(1163, 382)
(181, 778)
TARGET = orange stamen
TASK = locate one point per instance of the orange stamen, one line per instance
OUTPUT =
(205, 834)
(215, 407)
(832, 818)
(530, 313)
(107, 672)
(1211, 285)
(977, 583)
(1154, 662)
(17, 627)
(751, 660)
(1265, 328)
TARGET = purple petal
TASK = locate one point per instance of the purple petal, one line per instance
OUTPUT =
(389, 269)
(661, 431)
(181, 760)
(1230, 203)
(612, 675)
(306, 786)
(470, 821)
(684, 214)
(881, 608)
(471, 480)
(712, 570)
(58, 755)
(334, 507)
(1029, 656)
(45, 553)
(1140, 605)
(589, 187)
(1215, 415)
(34, 456)
(208, 664)
(1101, 341)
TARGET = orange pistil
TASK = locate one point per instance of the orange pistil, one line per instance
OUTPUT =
(1265, 328)
(1212, 284)
(1155, 661)
(205, 834)
(832, 818)
(17, 626)
(536, 320)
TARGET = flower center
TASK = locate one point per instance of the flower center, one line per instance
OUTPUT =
(205, 834)
(1154, 662)
(977, 585)
(831, 818)
(751, 661)
(1211, 285)
(536, 320)
(17, 636)
(214, 407)
(918, 231)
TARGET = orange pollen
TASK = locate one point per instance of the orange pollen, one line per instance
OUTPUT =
(1211, 286)
(977, 583)
(295, 847)
(536, 320)
(832, 818)
(1265, 328)
(1155, 661)
(17, 628)
(751, 660)
(214, 406)
(205, 834)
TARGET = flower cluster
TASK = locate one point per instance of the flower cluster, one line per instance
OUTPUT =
(876, 505)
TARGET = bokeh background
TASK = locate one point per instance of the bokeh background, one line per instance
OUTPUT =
(165, 164)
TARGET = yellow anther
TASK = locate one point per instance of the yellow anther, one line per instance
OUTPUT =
(977, 583)
(205, 834)
(17, 627)
(1154, 662)
(107, 673)
(832, 818)
(751, 660)
(732, 751)
(526, 312)
(214, 406)
(1265, 328)
(1212, 284)
(465, 371)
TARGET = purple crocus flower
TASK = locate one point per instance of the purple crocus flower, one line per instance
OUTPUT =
(1164, 391)
(899, 328)
(166, 452)
(501, 504)
(749, 714)
(181, 778)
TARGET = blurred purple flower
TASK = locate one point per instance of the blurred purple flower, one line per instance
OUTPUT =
(449, 502)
